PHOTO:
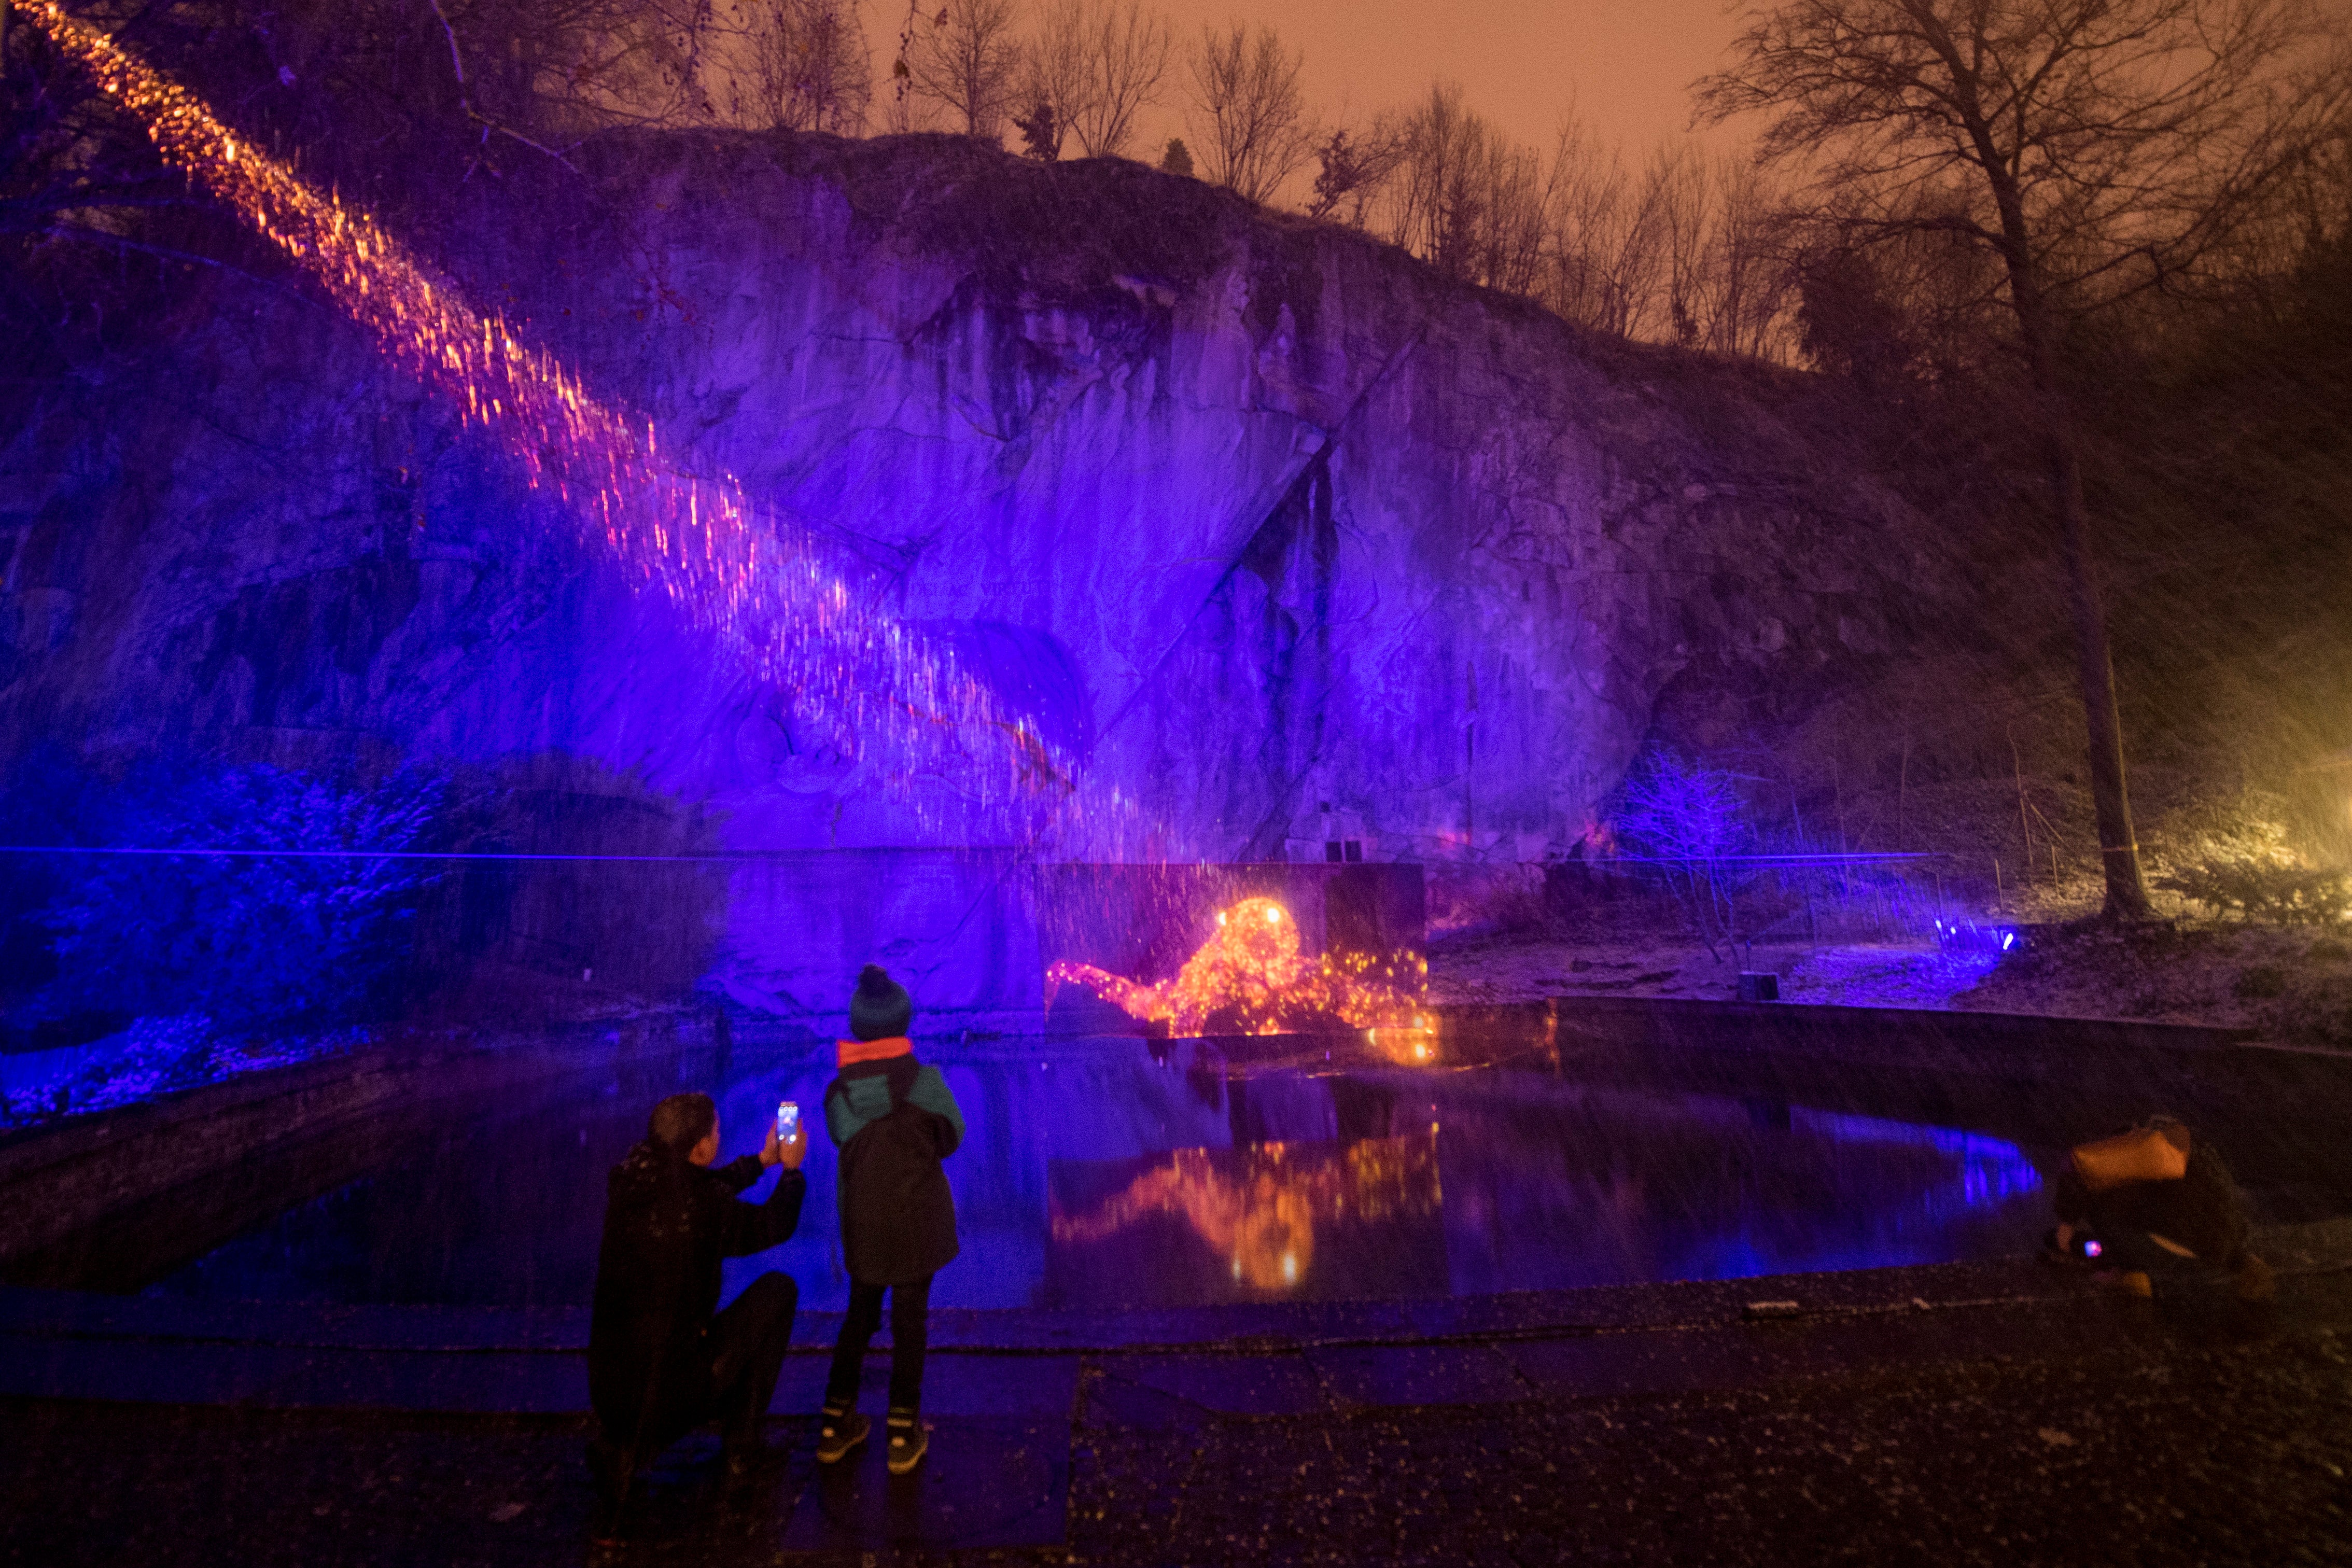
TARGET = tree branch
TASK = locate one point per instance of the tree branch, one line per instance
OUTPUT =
(465, 97)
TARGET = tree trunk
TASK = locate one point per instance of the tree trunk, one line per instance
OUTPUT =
(2111, 800)
(2037, 324)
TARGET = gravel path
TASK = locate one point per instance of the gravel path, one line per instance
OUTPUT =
(2190, 1432)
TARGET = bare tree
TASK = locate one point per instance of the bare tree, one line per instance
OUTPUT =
(1125, 52)
(1675, 190)
(966, 60)
(1721, 259)
(1057, 77)
(1471, 202)
(1099, 64)
(1687, 249)
(806, 67)
(1253, 120)
(537, 73)
(1605, 252)
(1748, 281)
(901, 109)
(567, 67)
(2099, 149)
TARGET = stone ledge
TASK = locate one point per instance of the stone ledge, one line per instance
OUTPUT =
(64, 1179)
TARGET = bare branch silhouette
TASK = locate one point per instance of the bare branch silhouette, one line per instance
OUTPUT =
(2098, 149)
(1254, 126)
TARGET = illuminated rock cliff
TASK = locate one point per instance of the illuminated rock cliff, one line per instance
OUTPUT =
(1260, 521)
(1256, 524)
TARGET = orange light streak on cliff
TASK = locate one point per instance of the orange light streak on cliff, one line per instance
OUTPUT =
(698, 539)
(1250, 978)
(1264, 1217)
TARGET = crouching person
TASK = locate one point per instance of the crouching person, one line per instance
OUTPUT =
(2157, 1200)
(661, 1362)
(894, 1121)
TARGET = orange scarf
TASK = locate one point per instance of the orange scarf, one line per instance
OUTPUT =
(849, 1053)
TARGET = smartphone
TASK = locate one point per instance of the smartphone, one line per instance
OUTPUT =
(788, 1121)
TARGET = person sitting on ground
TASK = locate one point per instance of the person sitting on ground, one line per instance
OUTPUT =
(894, 1121)
(660, 1361)
(2156, 1199)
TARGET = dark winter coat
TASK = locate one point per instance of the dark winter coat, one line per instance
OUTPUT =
(668, 1222)
(2202, 1210)
(894, 1121)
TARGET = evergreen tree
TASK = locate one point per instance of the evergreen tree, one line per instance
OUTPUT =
(1041, 133)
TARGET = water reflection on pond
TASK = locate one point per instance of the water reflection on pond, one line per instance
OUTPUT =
(1261, 1205)
(1097, 1173)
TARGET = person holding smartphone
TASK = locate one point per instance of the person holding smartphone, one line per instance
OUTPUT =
(661, 1360)
(2155, 1200)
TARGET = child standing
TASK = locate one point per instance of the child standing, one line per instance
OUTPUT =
(894, 1121)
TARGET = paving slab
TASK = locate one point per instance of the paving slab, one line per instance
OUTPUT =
(162, 1372)
(986, 1483)
(137, 1372)
(1014, 1386)
(1229, 1385)
(1419, 1376)
(1751, 1355)
(327, 1325)
(1113, 1402)
(486, 1382)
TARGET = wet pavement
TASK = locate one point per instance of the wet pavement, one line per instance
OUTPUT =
(1974, 1413)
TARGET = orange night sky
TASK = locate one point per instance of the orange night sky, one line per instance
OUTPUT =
(1625, 66)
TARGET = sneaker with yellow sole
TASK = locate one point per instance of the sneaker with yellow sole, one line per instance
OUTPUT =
(909, 1440)
(839, 1431)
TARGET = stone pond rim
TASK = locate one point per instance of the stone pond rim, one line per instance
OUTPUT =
(94, 1175)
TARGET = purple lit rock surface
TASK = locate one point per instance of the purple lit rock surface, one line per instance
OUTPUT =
(1270, 529)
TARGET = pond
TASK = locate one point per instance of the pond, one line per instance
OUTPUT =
(1107, 1172)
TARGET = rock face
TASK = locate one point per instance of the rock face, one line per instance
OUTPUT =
(1267, 526)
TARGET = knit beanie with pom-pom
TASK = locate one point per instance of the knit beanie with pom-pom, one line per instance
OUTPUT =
(879, 1009)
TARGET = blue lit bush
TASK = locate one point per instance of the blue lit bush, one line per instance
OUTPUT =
(1690, 822)
(242, 941)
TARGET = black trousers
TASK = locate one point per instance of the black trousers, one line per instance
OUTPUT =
(746, 1344)
(910, 1307)
(748, 1341)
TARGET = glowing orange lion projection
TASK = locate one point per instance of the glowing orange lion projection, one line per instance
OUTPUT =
(1250, 978)
(1263, 1215)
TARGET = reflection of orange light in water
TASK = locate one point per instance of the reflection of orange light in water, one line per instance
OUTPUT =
(1250, 978)
(1263, 1217)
